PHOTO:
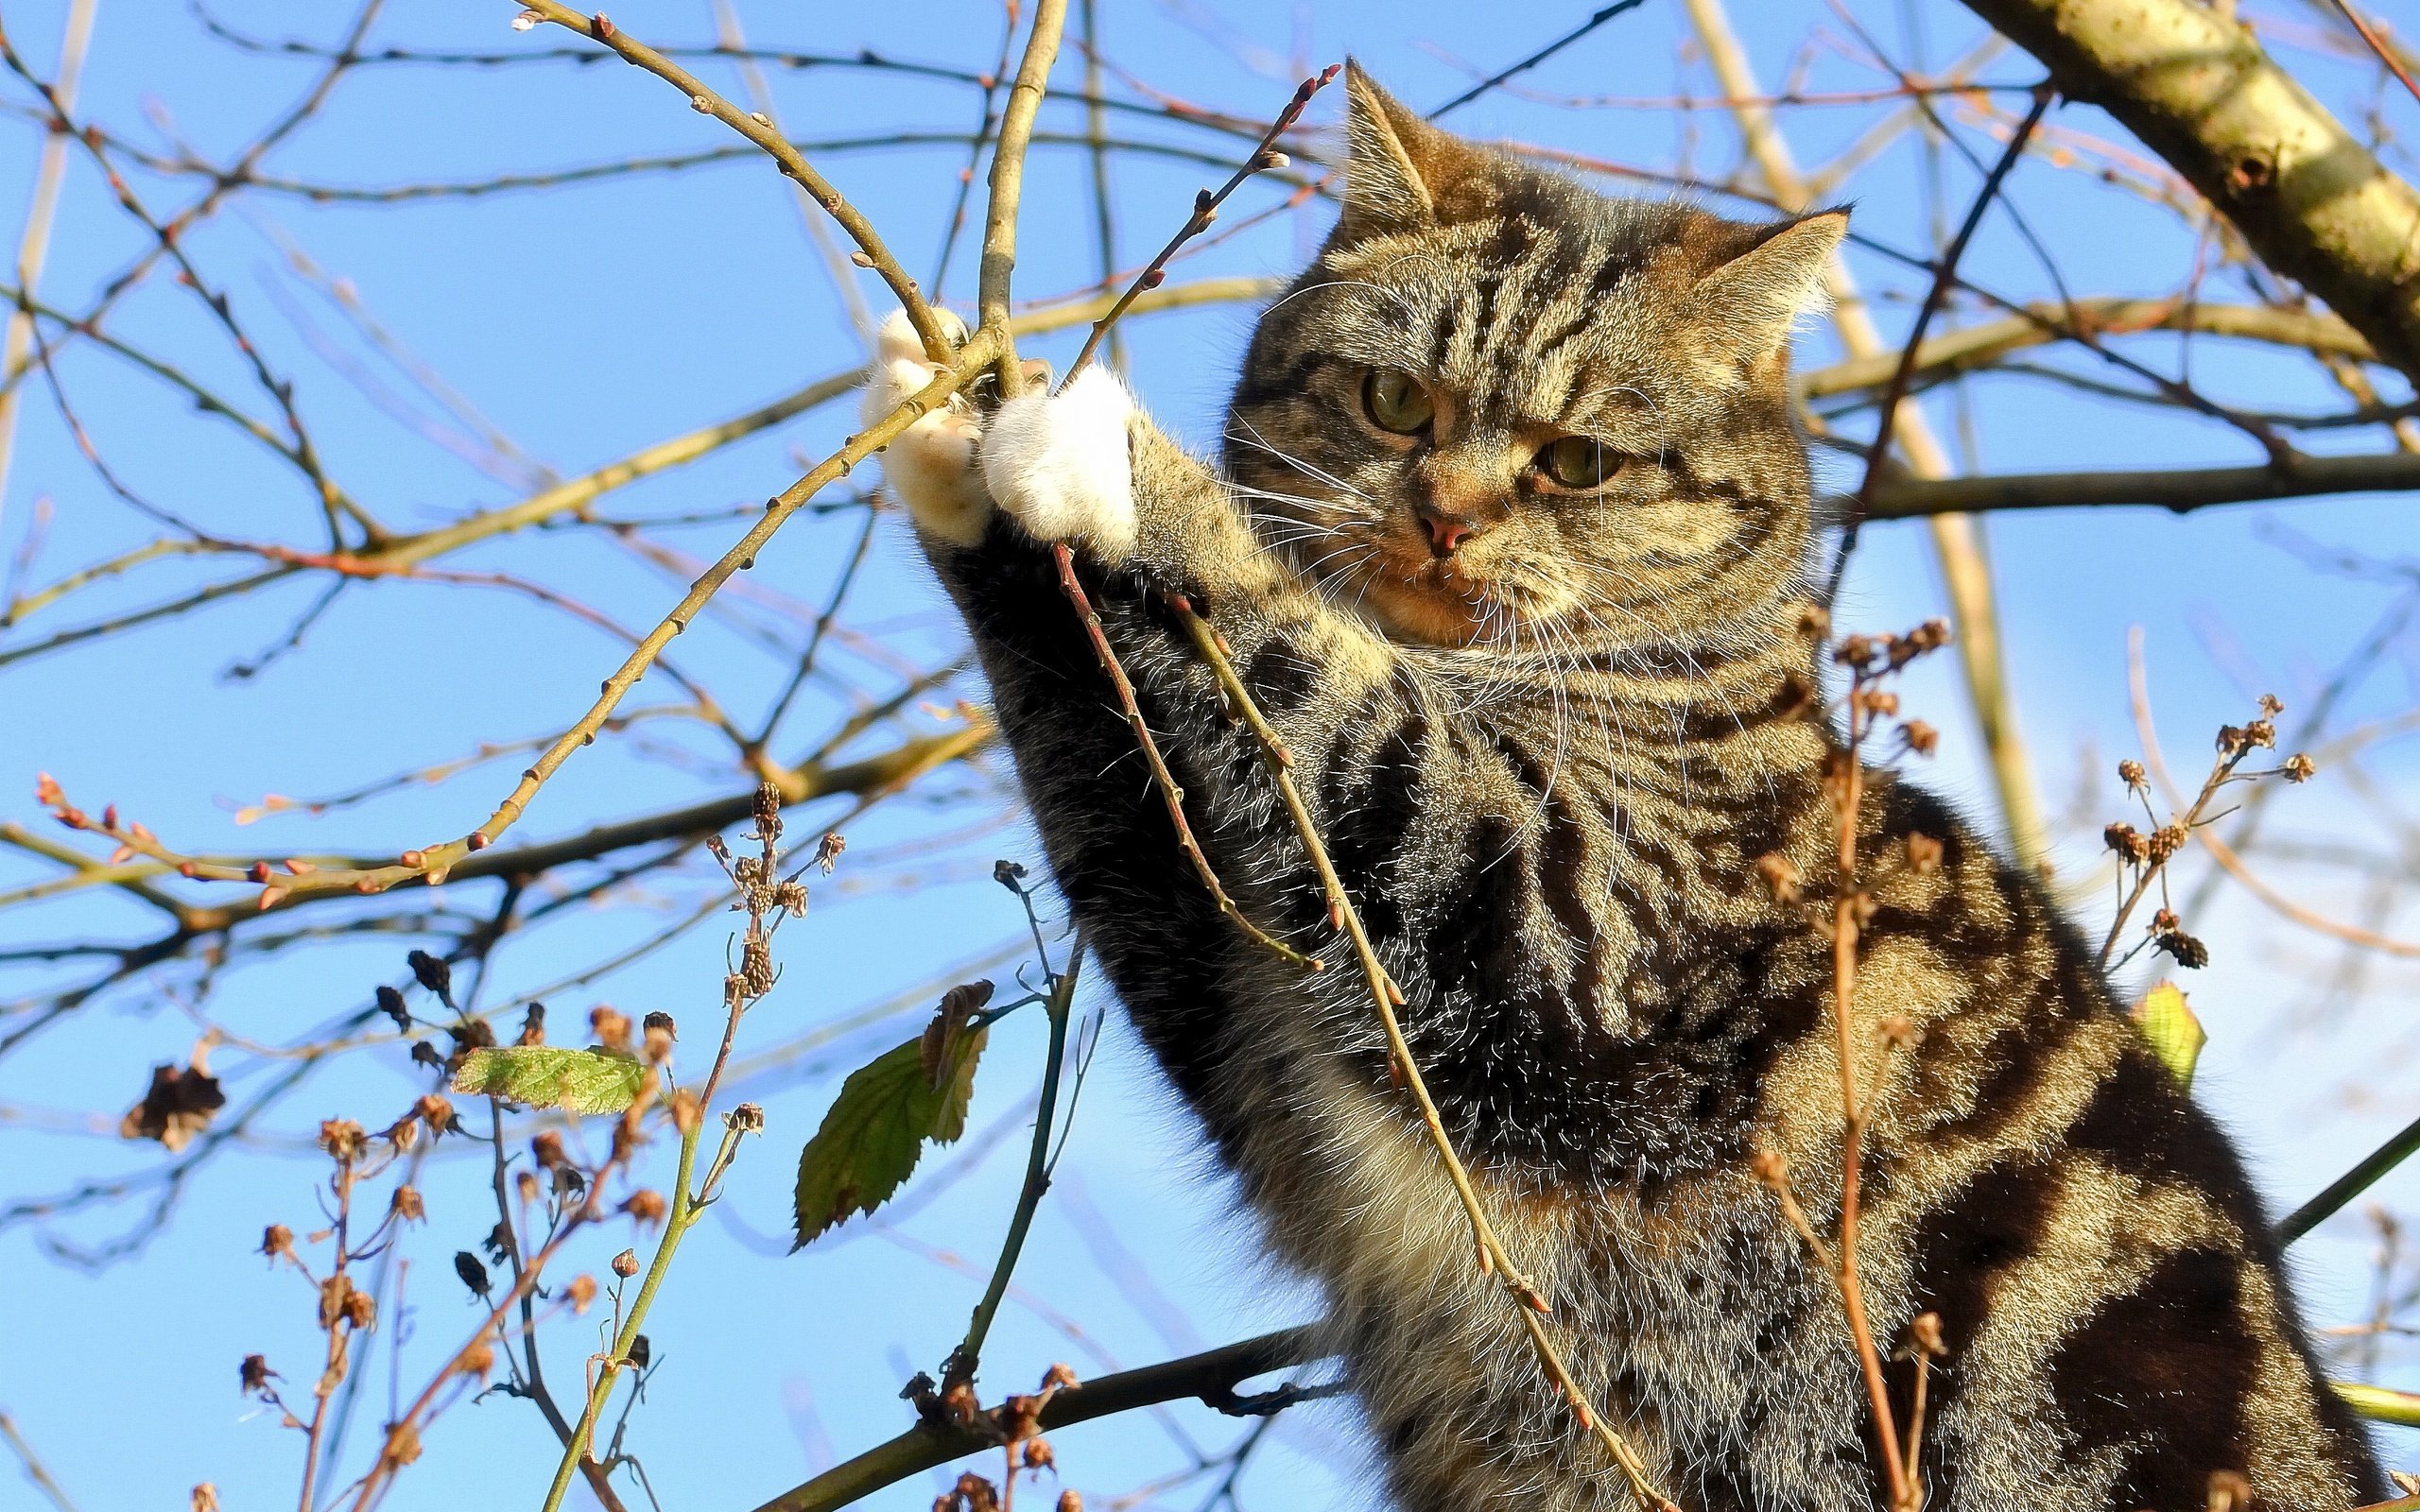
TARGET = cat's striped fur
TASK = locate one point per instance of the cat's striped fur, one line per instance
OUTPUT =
(1552, 831)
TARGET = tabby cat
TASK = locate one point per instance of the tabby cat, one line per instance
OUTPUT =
(1512, 545)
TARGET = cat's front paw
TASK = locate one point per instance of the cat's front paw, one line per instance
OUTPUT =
(930, 466)
(1061, 465)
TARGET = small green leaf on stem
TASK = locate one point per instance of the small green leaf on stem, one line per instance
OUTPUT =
(877, 1129)
(577, 1081)
(2176, 1037)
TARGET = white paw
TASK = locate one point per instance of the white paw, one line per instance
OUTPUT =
(930, 466)
(1062, 465)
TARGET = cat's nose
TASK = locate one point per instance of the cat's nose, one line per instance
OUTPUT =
(1446, 532)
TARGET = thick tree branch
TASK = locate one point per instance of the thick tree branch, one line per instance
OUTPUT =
(2194, 84)
(2181, 490)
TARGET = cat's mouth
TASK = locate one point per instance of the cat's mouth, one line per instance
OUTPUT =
(1433, 601)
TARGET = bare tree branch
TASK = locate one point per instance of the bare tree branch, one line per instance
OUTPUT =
(2193, 83)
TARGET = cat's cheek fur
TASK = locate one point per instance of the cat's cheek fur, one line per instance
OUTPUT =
(930, 466)
(1061, 465)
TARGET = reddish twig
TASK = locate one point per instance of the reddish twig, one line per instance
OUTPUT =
(1265, 156)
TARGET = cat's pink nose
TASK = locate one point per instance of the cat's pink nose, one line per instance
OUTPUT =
(1446, 532)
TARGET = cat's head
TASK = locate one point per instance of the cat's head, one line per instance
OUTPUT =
(1503, 408)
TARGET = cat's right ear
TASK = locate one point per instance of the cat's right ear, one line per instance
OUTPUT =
(1399, 171)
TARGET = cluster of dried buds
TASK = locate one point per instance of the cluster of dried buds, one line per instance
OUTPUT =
(1015, 1425)
(765, 896)
(1873, 656)
(2143, 854)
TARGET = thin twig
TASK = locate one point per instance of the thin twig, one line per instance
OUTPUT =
(967, 1357)
(1543, 53)
(793, 162)
(1944, 279)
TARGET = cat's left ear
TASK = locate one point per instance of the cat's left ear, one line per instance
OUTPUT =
(1401, 174)
(1752, 301)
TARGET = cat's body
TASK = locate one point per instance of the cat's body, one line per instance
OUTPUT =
(1551, 818)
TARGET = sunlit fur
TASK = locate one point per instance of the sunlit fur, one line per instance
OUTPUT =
(1546, 764)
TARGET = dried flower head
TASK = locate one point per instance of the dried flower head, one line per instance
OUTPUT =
(390, 1003)
(827, 851)
(335, 1300)
(477, 1359)
(580, 1292)
(406, 1205)
(403, 1442)
(646, 1208)
(255, 1374)
(1924, 854)
(533, 1025)
(747, 1118)
(205, 1498)
(178, 1104)
(768, 812)
(2127, 842)
(435, 1112)
(2297, 768)
(2187, 951)
(612, 1030)
(343, 1138)
(625, 1264)
(756, 966)
(2229, 1492)
(474, 1275)
(432, 973)
(1781, 877)
(1920, 737)
(1924, 1332)
(2130, 772)
(277, 1240)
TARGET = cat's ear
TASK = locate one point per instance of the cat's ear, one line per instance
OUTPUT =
(1400, 173)
(1750, 301)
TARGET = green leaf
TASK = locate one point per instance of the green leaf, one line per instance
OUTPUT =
(577, 1081)
(877, 1129)
(2176, 1037)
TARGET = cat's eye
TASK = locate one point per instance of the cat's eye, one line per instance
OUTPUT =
(1577, 463)
(1396, 401)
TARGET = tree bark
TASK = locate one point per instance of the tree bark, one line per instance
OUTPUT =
(2194, 84)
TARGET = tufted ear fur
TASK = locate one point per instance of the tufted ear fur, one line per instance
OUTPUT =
(1749, 304)
(1400, 173)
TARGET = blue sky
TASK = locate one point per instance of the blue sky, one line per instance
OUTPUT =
(586, 322)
